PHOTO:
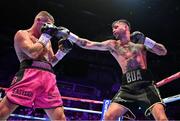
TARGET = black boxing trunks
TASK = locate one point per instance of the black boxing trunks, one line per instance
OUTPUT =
(137, 91)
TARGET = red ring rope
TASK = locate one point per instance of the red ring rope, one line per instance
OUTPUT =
(168, 79)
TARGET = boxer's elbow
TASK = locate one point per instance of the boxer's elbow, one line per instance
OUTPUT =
(160, 50)
(163, 51)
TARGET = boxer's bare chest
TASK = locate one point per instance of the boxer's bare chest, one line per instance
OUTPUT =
(130, 56)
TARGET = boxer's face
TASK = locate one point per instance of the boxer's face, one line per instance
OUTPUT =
(119, 29)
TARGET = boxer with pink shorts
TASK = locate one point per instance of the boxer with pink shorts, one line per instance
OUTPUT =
(34, 85)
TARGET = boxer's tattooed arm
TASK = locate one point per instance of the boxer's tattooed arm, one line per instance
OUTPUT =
(98, 44)
(132, 64)
(112, 51)
(82, 43)
(87, 44)
(158, 49)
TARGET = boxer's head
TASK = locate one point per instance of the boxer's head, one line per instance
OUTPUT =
(120, 27)
(43, 17)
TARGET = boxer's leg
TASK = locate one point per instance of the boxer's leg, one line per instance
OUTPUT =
(115, 111)
(158, 112)
(6, 108)
(56, 113)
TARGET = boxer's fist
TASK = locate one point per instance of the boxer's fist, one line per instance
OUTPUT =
(65, 45)
(49, 29)
(62, 33)
(137, 37)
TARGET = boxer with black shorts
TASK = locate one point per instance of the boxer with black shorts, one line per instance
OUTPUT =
(34, 85)
(137, 82)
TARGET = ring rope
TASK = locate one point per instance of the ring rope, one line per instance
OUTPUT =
(82, 110)
(28, 117)
(168, 79)
(66, 108)
(172, 98)
(82, 100)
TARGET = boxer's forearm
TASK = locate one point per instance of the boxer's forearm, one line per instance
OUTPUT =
(87, 44)
(33, 50)
(92, 45)
(159, 49)
(57, 57)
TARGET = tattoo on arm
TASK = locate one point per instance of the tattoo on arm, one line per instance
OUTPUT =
(112, 51)
(98, 45)
(83, 43)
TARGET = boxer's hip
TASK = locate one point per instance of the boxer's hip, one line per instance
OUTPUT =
(137, 75)
(42, 65)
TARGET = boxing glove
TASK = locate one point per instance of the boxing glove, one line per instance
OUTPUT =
(65, 45)
(48, 31)
(139, 37)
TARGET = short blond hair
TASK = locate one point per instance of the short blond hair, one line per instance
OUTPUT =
(45, 14)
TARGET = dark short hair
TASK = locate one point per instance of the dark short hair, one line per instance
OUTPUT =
(123, 21)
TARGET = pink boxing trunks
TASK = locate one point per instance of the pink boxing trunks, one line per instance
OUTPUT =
(34, 85)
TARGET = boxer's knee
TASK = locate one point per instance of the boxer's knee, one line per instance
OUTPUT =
(61, 116)
(56, 113)
(110, 116)
(158, 112)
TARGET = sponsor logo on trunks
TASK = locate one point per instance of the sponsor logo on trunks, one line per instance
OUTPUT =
(133, 76)
(22, 92)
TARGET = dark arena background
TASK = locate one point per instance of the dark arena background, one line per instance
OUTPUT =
(88, 74)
